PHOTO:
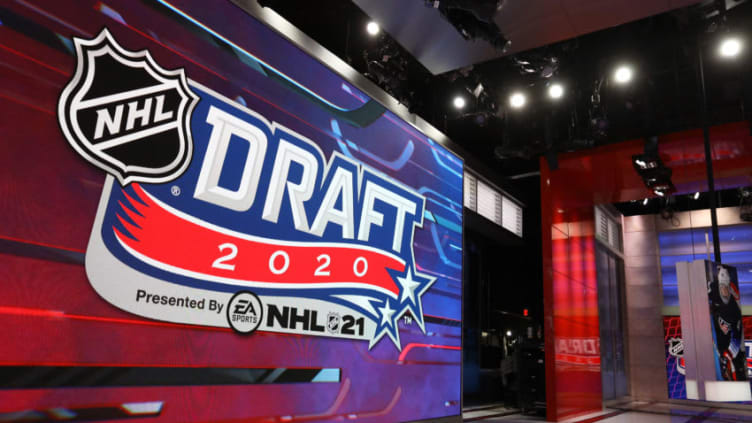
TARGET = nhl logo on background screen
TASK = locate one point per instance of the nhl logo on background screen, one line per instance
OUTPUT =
(125, 114)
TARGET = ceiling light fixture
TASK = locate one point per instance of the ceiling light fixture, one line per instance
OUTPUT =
(730, 47)
(373, 28)
(623, 74)
(517, 100)
(556, 91)
(459, 102)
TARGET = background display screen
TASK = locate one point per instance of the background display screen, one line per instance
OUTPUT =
(68, 352)
(689, 245)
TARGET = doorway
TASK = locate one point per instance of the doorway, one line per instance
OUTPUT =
(610, 274)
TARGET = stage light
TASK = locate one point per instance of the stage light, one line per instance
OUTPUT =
(459, 102)
(645, 202)
(646, 161)
(696, 196)
(654, 174)
(472, 19)
(730, 47)
(555, 91)
(509, 334)
(623, 74)
(373, 28)
(517, 100)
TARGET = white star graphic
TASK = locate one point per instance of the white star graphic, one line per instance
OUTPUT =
(386, 314)
(408, 286)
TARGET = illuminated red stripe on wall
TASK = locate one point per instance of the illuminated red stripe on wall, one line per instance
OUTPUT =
(413, 345)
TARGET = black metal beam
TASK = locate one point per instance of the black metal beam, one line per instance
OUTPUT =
(708, 156)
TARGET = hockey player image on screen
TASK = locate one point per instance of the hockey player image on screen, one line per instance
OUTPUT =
(726, 313)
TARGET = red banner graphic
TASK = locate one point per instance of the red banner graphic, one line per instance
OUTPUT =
(195, 249)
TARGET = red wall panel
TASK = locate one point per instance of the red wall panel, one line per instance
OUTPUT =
(573, 378)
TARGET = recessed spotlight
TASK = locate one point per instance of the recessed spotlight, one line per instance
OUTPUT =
(730, 47)
(373, 28)
(623, 74)
(555, 91)
(517, 100)
(459, 102)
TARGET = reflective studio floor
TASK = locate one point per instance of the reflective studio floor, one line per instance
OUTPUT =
(630, 412)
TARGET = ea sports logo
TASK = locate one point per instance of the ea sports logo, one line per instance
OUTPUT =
(125, 114)
(244, 312)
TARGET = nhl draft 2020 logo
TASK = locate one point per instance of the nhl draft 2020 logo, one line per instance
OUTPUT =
(273, 236)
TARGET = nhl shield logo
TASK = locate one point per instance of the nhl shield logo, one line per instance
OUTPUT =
(332, 322)
(676, 347)
(127, 115)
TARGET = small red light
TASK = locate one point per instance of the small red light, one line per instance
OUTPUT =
(524, 312)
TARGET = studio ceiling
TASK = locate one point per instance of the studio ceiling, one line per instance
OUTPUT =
(529, 24)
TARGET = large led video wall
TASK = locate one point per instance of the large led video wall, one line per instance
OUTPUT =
(201, 222)
(689, 245)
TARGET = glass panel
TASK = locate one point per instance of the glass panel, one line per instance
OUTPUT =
(617, 279)
(604, 310)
